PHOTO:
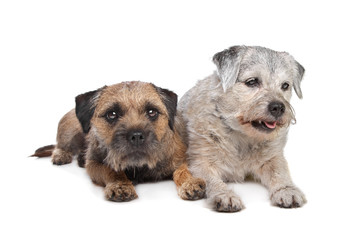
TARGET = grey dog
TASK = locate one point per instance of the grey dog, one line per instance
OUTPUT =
(237, 122)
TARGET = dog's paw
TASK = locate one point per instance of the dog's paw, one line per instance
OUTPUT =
(81, 160)
(120, 192)
(61, 157)
(192, 189)
(288, 197)
(227, 202)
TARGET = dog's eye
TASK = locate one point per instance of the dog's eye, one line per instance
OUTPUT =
(152, 114)
(252, 82)
(285, 86)
(113, 113)
(111, 116)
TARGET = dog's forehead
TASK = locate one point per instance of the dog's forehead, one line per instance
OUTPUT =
(130, 95)
(268, 64)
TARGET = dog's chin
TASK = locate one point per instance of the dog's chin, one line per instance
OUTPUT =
(132, 159)
(136, 156)
(136, 159)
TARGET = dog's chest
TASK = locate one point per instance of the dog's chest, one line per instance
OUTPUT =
(251, 152)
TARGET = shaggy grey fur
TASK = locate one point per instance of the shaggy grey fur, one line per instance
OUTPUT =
(237, 122)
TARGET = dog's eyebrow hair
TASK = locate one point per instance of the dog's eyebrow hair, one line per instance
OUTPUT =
(149, 105)
(245, 66)
(114, 107)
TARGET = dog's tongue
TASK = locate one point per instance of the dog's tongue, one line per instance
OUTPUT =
(270, 125)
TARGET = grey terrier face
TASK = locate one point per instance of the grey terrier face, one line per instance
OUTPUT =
(257, 85)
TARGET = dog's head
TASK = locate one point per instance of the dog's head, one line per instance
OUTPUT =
(132, 121)
(257, 84)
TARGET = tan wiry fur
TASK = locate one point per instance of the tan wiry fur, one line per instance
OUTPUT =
(131, 147)
(220, 114)
(70, 141)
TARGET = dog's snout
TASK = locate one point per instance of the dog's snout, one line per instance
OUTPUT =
(276, 109)
(136, 138)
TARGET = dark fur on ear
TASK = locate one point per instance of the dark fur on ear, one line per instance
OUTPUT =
(169, 99)
(85, 107)
(299, 76)
(228, 65)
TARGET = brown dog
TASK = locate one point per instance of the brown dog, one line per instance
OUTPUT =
(128, 133)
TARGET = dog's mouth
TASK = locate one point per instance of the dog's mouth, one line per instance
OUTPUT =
(264, 125)
(136, 155)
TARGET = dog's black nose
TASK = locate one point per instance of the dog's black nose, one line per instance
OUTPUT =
(276, 109)
(136, 138)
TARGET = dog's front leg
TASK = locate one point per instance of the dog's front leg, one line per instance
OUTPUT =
(118, 187)
(274, 174)
(219, 196)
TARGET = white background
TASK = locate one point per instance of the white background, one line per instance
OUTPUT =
(50, 51)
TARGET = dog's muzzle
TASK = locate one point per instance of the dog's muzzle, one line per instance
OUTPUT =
(276, 110)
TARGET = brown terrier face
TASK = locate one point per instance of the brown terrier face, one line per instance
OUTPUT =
(131, 123)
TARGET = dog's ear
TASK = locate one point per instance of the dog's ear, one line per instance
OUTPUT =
(85, 107)
(228, 65)
(299, 73)
(169, 99)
